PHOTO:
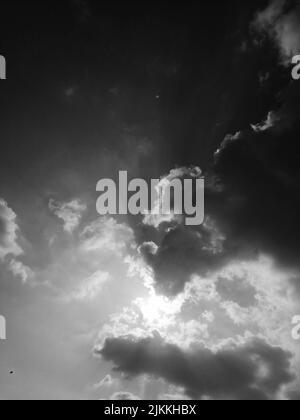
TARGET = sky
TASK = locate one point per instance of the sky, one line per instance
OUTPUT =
(136, 307)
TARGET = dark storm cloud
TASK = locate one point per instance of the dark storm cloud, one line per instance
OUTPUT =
(260, 172)
(252, 193)
(182, 252)
(253, 371)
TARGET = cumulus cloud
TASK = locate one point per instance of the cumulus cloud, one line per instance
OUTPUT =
(183, 252)
(70, 213)
(281, 21)
(252, 208)
(9, 230)
(255, 370)
(252, 298)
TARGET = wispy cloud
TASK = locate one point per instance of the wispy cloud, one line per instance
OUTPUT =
(89, 288)
(20, 270)
(9, 230)
(282, 25)
(106, 234)
(124, 396)
(270, 122)
(70, 213)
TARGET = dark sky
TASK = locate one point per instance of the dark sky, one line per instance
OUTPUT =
(189, 55)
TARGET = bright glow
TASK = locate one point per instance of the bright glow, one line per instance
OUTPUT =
(159, 311)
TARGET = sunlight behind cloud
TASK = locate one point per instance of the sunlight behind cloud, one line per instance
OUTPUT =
(158, 311)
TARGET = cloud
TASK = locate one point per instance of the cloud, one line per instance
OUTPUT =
(183, 252)
(281, 21)
(253, 371)
(9, 230)
(155, 218)
(10, 248)
(70, 213)
(248, 299)
(295, 394)
(270, 122)
(106, 382)
(107, 234)
(259, 206)
(20, 270)
(90, 288)
(173, 397)
(237, 290)
(124, 396)
(79, 270)
(221, 313)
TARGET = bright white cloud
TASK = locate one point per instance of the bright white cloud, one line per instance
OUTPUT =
(208, 316)
(10, 248)
(70, 213)
(201, 315)
(158, 313)
(9, 230)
